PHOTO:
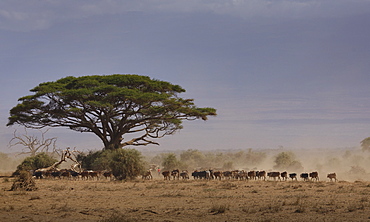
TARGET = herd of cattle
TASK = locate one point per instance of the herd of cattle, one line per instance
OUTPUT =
(70, 174)
(244, 175)
(176, 174)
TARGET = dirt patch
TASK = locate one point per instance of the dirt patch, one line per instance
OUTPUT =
(191, 200)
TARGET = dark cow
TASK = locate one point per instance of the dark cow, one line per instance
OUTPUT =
(227, 174)
(304, 176)
(332, 176)
(274, 175)
(38, 174)
(261, 174)
(201, 174)
(314, 176)
(293, 176)
(107, 174)
(167, 175)
(65, 174)
(175, 174)
(56, 174)
(75, 175)
(284, 175)
(184, 175)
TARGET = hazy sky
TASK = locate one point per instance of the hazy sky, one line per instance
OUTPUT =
(292, 73)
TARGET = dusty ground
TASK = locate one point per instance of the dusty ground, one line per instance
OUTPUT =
(158, 200)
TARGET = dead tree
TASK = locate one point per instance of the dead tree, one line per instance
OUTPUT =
(33, 144)
(66, 154)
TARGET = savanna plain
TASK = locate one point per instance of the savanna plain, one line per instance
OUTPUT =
(186, 200)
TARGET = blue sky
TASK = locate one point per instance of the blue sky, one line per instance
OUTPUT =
(290, 73)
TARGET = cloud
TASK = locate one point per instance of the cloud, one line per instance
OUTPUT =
(37, 15)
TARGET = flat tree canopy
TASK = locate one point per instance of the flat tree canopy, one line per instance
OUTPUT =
(109, 106)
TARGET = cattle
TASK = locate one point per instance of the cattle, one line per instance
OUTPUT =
(261, 174)
(75, 175)
(107, 174)
(84, 175)
(293, 176)
(235, 174)
(167, 175)
(227, 174)
(65, 174)
(147, 175)
(217, 175)
(314, 176)
(241, 175)
(56, 174)
(201, 174)
(38, 174)
(252, 175)
(184, 175)
(332, 176)
(284, 175)
(304, 176)
(175, 174)
(274, 175)
(94, 174)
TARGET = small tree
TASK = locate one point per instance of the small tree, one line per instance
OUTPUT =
(126, 163)
(365, 144)
(287, 161)
(170, 162)
(33, 144)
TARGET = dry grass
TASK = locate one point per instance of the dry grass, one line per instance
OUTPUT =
(158, 200)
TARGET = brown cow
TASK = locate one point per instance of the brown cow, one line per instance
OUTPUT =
(184, 175)
(252, 175)
(167, 175)
(314, 176)
(274, 175)
(217, 174)
(147, 175)
(84, 175)
(332, 176)
(93, 175)
(284, 175)
(65, 174)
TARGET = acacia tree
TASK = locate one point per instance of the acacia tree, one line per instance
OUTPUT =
(109, 106)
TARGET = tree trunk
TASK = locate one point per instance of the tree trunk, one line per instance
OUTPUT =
(113, 144)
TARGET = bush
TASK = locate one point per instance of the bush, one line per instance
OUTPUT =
(24, 182)
(126, 163)
(286, 161)
(87, 161)
(41, 160)
(170, 162)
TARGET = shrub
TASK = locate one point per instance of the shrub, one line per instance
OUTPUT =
(170, 162)
(41, 160)
(24, 182)
(286, 161)
(126, 163)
